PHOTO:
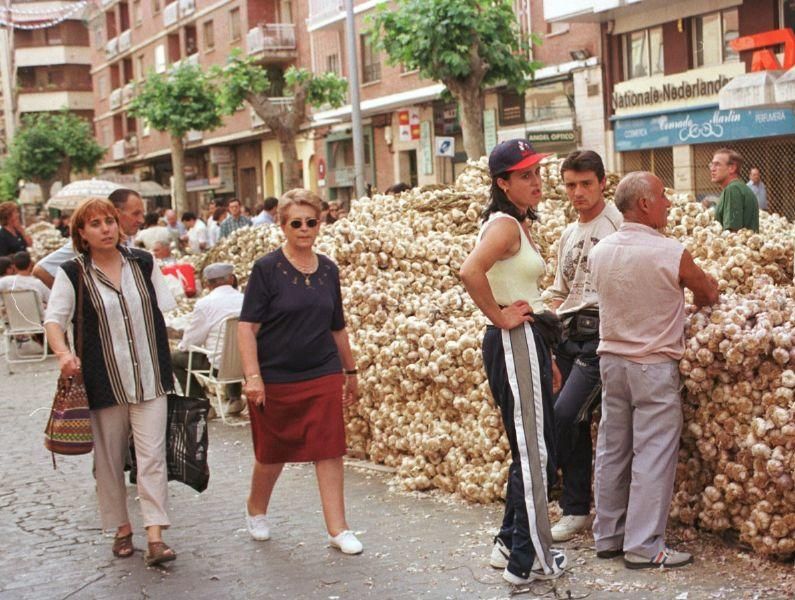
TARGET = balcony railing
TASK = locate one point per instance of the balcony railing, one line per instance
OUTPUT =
(170, 14)
(124, 148)
(112, 48)
(187, 7)
(269, 37)
(116, 98)
(125, 40)
(128, 92)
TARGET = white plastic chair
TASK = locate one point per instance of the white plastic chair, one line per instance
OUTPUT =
(230, 369)
(23, 318)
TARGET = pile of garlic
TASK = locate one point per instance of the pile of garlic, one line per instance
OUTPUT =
(425, 406)
(46, 238)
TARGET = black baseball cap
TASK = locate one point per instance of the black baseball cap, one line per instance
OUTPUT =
(513, 155)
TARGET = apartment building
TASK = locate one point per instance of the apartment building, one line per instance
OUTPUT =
(51, 62)
(132, 38)
(666, 63)
(404, 115)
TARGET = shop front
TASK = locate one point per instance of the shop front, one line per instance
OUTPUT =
(764, 136)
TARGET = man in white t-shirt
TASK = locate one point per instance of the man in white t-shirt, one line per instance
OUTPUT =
(23, 280)
(154, 232)
(573, 297)
(196, 237)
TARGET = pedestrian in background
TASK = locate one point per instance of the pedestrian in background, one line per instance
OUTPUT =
(639, 275)
(757, 187)
(737, 207)
(573, 297)
(127, 369)
(195, 239)
(296, 395)
(501, 275)
(268, 214)
(13, 237)
(235, 220)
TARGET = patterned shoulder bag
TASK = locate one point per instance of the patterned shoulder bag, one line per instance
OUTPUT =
(68, 429)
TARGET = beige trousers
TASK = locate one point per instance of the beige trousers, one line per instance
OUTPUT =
(111, 427)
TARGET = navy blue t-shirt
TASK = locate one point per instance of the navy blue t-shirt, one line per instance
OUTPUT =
(294, 342)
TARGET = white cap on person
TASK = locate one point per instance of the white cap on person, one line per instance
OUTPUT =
(218, 271)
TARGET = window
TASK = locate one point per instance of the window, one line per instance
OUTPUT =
(712, 34)
(140, 69)
(234, 24)
(155, 7)
(787, 14)
(138, 18)
(557, 28)
(333, 63)
(53, 35)
(209, 35)
(643, 52)
(160, 58)
(107, 140)
(371, 61)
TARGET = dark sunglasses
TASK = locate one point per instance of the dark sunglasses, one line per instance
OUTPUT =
(296, 223)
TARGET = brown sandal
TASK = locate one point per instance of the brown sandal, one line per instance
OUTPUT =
(123, 546)
(158, 553)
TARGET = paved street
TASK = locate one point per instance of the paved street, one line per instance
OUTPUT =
(416, 546)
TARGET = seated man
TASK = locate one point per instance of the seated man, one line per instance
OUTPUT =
(223, 301)
(24, 280)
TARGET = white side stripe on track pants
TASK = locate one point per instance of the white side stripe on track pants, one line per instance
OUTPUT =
(524, 376)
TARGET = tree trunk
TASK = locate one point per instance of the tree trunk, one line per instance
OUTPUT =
(292, 171)
(178, 163)
(471, 101)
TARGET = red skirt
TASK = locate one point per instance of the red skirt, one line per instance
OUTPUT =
(300, 422)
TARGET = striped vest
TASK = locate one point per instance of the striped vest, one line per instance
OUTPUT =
(100, 387)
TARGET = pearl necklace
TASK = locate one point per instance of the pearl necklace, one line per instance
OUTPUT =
(305, 270)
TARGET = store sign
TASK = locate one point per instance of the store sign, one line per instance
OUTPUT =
(444, 146)
(221, 154)
(490, 129)
(701, 127)
(511, 108)
(408, 125)
(445, 118)
(764, 44)
(545, 137)
(669, 92)
(426, 151)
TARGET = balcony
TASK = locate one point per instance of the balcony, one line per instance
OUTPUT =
(47, 101)
(112, 48)
(116, 98)
(47, 56)
(170, 14)
(194, 136)
(187, 7)
(125, 40)
(106, 3)
(128, 92)
(272, 39)
(117, 150)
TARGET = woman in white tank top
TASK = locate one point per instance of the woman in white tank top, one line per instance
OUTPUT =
(501, 275)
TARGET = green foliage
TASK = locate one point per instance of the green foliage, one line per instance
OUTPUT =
(47, 143)
(440, 38)
(178, 101)
(242, 75)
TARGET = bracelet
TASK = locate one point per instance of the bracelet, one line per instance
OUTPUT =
(350, 372)
(247, 377)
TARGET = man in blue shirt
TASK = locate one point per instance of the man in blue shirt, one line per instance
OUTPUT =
(758, 188)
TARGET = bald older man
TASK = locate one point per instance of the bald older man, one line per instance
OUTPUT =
(640, 275)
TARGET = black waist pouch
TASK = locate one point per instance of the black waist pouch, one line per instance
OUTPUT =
(583, 326)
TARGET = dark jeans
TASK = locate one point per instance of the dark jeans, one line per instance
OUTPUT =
(579, 366)
(179, 364)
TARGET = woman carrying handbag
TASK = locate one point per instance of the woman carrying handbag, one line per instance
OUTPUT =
(125, 367)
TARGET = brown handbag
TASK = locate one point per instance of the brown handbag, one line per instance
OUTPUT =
(68, 429)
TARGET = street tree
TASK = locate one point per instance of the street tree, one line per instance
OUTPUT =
(176, 102)
(468, 45)
(243, 80)
(49, 147)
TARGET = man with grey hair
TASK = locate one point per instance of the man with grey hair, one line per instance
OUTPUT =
(205, 329)
(639, 275)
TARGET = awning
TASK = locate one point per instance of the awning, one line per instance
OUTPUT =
(149, 189)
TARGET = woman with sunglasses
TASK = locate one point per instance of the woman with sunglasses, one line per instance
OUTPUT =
(501, 275)
(299, 369)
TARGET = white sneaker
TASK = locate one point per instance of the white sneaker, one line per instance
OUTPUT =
(559, 564)
(569, 526)
(258, 527)
(537, 573)
(346, 542)
(499, 554)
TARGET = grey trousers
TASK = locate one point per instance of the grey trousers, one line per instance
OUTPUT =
(636, 454)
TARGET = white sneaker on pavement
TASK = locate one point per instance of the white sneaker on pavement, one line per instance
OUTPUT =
(258, 527)
(499, 554)
(346, 542)
(569, 526)
(537, 573)
(670, 559)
